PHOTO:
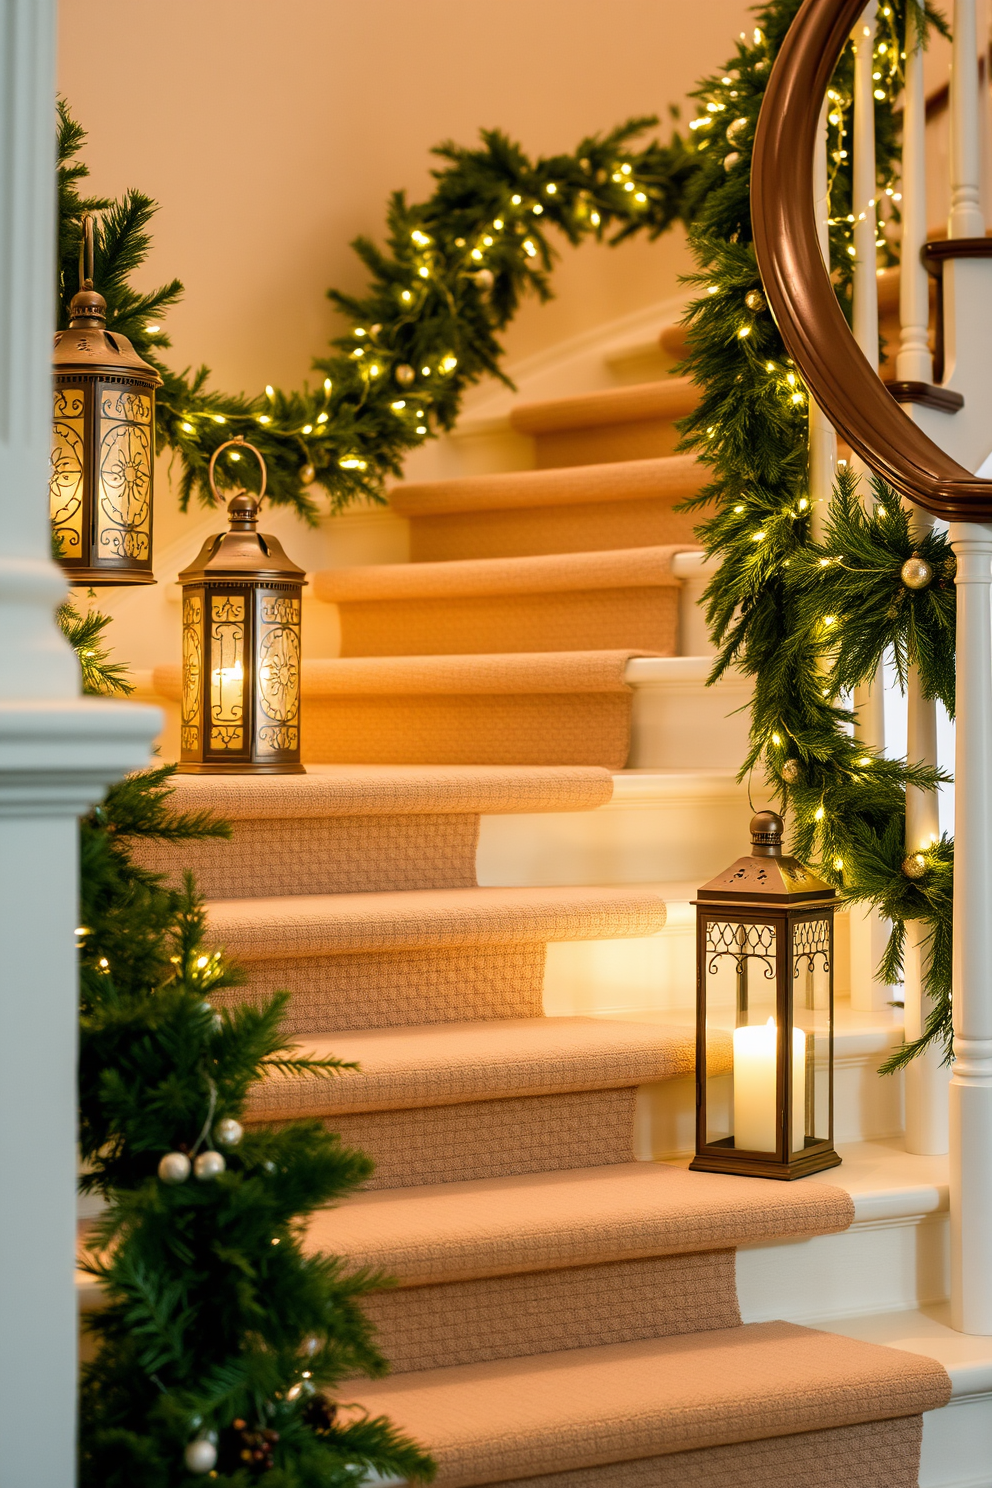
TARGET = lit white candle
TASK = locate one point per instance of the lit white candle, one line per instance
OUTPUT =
(755, 1051)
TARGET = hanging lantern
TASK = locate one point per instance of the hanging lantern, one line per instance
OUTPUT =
(242, 599)
(103, 444)
(764, 1015)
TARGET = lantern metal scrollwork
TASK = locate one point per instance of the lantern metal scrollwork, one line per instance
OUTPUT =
(242, 602)
(764, 1015)
(103, 444)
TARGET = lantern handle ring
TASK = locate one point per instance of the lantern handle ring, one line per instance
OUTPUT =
(86, 253)
(242, 443)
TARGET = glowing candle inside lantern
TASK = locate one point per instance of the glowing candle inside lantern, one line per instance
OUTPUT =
(755, 1050)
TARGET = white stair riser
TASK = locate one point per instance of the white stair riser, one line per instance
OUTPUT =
(887, 1265)
(684, 829)
(957, 1444)
(681, 724)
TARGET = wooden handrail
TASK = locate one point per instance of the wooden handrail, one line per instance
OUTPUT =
(798, 287)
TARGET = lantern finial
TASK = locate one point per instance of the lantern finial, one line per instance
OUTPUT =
(767, 828)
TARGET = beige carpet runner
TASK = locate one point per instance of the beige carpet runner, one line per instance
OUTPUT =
(563, 1315)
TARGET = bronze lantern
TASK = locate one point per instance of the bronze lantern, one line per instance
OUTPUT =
(103, 445)
(764, 1015)
(242, 601)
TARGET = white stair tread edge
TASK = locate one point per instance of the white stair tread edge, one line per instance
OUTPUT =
(659, 671)
(695, 565)
(647, 787)
(887, 1182)
(926, 1330)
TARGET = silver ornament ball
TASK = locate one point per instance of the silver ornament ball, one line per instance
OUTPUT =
(200, 1456)
(228, 1132)
(755, 300)
(404, 374)
(790, 771)
(174, 1167)
(916, 573)
(484, 280)
(209, 1165)
(914, 866)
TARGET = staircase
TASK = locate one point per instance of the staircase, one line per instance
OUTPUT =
(480, 892)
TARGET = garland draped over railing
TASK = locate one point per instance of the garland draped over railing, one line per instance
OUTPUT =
(810, 622)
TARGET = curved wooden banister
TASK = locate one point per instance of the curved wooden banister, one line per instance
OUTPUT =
(799, 290)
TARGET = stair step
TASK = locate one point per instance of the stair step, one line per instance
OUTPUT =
(639, 1402)
(619, 505)
(443, 1064)
(633, 422)
(351, 828)
(624, 597)
(540, 1221)
(423, 956)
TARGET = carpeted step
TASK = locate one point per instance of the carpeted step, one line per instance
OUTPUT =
(348, 829)
(532, 1264)
(523, 708)
(423, 956)
(626, 504)
(636, 422)
(449, 1102)
(665, 1411)
(623, 597)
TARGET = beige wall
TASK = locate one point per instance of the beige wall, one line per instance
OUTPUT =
(271, 133)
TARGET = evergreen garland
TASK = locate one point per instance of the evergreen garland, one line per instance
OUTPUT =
(806, 622)
(449, 279)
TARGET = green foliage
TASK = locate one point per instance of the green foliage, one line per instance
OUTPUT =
(100, 676)
(217, 1311)
(449, 279)
(769, 602)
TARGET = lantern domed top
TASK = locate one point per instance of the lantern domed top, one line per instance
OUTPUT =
(768, 874)
(87, 346)
(242, 552)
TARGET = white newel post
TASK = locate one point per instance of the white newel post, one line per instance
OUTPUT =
(57, 754)
(971, 1077)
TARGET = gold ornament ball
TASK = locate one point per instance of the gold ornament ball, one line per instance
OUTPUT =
(916, 573)
(228, 1131)
(209, 1165)
(174, 1167)
(404, 374)
(736, 129)
(729, 161)
(790, 771)
(914, 866)
(307, 474)
(755, 300)
(200, 1456)
(484, 280)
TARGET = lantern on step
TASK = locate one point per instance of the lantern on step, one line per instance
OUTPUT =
(764, 1015)
(103, 444)
(242, 599)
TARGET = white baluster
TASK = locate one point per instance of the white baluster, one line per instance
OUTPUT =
(967, 219)
(57, 754)
(926, 1077)
(971, 1077)
(822, 436)
(869, 932)
(914, 362)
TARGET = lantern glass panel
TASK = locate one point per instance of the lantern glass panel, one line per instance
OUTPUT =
(192, 669)
(278, 660)
(124, 473)
(227, 672)
(741, 1034)
(68, 469)
(812, 953)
